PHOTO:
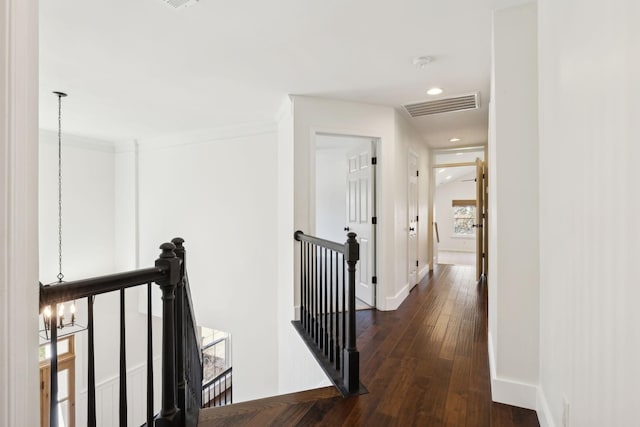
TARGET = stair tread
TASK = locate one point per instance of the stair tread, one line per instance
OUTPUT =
(246, 410)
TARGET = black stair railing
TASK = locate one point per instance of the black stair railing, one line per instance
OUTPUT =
(328, 307)
(181, 363)
(219, 390)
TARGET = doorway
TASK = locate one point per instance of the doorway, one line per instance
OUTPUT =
(345, 201)
(459, 209)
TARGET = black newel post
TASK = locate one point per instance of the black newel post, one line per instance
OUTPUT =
(169, 414)
(180, 328)
(351, 367)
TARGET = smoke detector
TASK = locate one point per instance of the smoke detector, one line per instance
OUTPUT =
(180, 4)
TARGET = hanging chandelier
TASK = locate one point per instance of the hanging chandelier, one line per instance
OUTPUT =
(66, 324)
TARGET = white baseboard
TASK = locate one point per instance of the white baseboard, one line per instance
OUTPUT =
(509, 391)
(542, 408)
(423, 272)
(392, 303)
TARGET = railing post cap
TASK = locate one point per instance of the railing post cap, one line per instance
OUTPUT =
(178, 241)
(168, 250)
(351, 248)
(297, 235)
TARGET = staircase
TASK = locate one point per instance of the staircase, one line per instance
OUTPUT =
(327, 325)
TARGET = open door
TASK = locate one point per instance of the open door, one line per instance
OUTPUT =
(360, 213)
(479, 225)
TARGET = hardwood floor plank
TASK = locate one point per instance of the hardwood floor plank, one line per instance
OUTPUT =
(424, 364)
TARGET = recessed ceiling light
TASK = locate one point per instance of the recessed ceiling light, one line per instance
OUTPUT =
(454, 140)
(442, 170)
(448, 177)
(434, 91)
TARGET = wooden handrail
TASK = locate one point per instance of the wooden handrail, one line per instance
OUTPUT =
(334, 246)
(77, 289)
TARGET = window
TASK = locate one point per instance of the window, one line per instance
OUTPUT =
(464, 218)
(216, 348)
(66, 382)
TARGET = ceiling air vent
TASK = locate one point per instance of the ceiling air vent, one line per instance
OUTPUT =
(179, 4)
(445, 105)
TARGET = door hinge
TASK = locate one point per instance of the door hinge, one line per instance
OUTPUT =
(374, 279)
(374, 220)
(417, 173)
(417, 263)
(374, 160)
(417, 218)
(483, 176)
(482, 254)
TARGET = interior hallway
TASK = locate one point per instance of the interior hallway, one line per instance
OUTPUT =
(425, 364)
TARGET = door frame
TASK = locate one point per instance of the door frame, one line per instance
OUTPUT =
(375, 193)
(412, 153)
(432, 192)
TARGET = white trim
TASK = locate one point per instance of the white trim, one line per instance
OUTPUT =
(542, 408)
(19, 373)
(509, 391)
(285, 109)
(208, 135)
(70, 140)
(423, 272)
(394, 302)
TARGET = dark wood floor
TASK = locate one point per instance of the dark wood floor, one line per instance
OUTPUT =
(425, 364)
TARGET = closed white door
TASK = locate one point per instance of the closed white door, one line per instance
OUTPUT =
(360, 212)
(412, 208)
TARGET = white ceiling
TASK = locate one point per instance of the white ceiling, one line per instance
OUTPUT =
(140, 69)
(455, 174)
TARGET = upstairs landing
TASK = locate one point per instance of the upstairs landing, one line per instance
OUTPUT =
(425, 364)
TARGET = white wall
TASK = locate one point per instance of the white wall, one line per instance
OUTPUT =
(408, 139)
(445, 193)
(297, 368)
(316, 115)
(589, 241)
(513, 277)
(219, 192)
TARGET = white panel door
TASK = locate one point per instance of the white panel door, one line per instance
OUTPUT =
(360, 210)
(412, 208)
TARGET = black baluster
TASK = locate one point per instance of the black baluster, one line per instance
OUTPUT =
(317, 292)
(351, 366)
(320, 286)
(308, 286)
(302, 283)
(169, 413)
(53, 364)
(180, 330)
(123, 364)
(314, 332)
(344, 302)
(337, 315)
(330, 312)
(91, 381)
(150, 411)
(326, 305)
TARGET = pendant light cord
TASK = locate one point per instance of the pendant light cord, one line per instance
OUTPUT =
(60, 275)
